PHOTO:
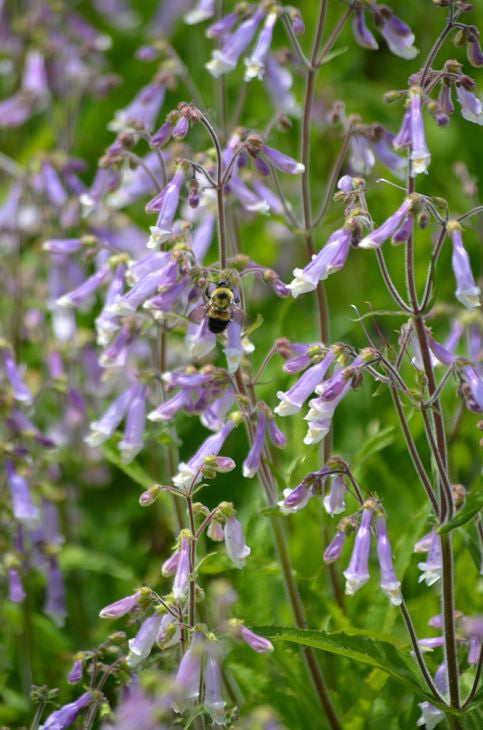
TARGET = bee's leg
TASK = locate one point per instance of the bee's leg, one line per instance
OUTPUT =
(207, 292)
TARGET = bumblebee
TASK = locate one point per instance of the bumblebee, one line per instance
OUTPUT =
(221, 307)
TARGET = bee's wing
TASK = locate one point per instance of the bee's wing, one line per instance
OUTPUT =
(197, 314)
(239, 316)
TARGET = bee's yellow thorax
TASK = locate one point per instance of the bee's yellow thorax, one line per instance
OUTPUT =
(222, 297)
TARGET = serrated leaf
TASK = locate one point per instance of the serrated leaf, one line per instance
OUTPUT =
(473, 505)
(390, 657)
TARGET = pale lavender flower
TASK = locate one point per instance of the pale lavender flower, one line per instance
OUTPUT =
(79, 295)
(253, 461)
(431, 569)
(140, 647)
(254, 641)
(233, 349)
(471, 107)
(107, 323)
(404, 231)
(379, 235)
(429, 644)
(34, 77)
(121, 607)
(213, 416)
(22, 506)
(389, 583)
(357, 572)
(170, 565)
(474, 52)
(292, 401)
(403, 136)
(165, 203)
(65, 716)
(133, 439)
(235, 546)
(188, 674)
(181, 578)
(226, 58)
(166, 411)
(282, 162)
(361, 157)
(255, 63)
(180, 129)
(223, 26)
(467, 292)
(398, 37)
(144, 288)
(444, 99)
(20, 391)
(203, 10)
(162, 135)
(333, 551)
(199, 339)
(63, 246)
(141, 113)
(330, 258)
(215, 531)
(190, 473)
(385, 154)
(75, 674)
(202, 237)
(115, 355)
(105, 180)
(334, 501)
(103, 429)
(264, 193)
(249, 200)
(55, 597)
(168, 635)
(362, 34)
(278, 81)
(472, 627)
(212, 700)
(431, 715)
(420, 156)
(277, 437)
(16, 592)
(54, 190)
(137, 270)
(295, 499)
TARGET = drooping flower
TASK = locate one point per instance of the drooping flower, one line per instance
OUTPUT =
(379, 235)
(103, 429)
(226, 58)
(83, 292)
(140, 647)
(65, 716)
(188, 674)
(361, 158)
(277, 437)
(255, 63)
(235, 546)
(433, 566)
(282, 162)
(362, 34)
(233, 349)
(190, 473)
(398, 36)
(334, 501)
(279, 81)
(330, 258)
(181, 578)
(471, 106)
(142, 111)
(253, 461)
(170, 565)
(467, 292)
(20, 391)
(203, 10)
(213, 700)
(23, 508)
(75, 674)
(16, 592)
(121, 607)
(389, 583)
(255, 641)
(292, 401)
(133, 438)
(333, 551)
(420, 156)
(55, 595)
(165, 204)
(357, 572)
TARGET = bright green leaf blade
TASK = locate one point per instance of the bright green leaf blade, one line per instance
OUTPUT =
(473, 505)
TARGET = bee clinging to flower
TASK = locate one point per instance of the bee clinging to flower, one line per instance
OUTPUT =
(221, 306)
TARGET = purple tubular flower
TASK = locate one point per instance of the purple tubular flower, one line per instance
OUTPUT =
(104, 428)
(226, 58)
(333, 551)
(106, 322)
(140, 647)
(203, 10)
(222, 26)
(162, 136)
(20, 391)
(22, 506)
(334, 501)
(472, 627)
(181, 578)
(431, 715)
(435, 642)
(137, 270)
(254, 641)
(247, 198)
(141, 113)
(467, 292)
(121, 607)
(75, 674)
(235, 546)
(202, 237)
(188, 674)
(167, 210)
(404, 231)
(34, 78)
(55, 598)
(79, 295)
(199, 339)
(362, 34)
(213, 416)
(277, 437)
(471, 107)
(253, 461)
(357, 572)
(295, 499)
(292, 400)
(215, 531)
(376, 238)
(180, 129)
(181, 379)
(233, 349)
(403, 137)
(63, 246)
(420, 156)
(144, 288)
(213, 701)
(16, 592)
(166, 411)
(389, 158)
(282, 162)
(474, 53)
(264, 193)
(389, 584)
(255, 64)
(431, 569)
(330, 258)
(444, 99)
(399, 37)
(170, 565)
(54, 189)
(423, 545)
(361, 157)
(65, 716)
(164, 302)
(262, 167)
(132, 441)
(190, 473)
(279, 81)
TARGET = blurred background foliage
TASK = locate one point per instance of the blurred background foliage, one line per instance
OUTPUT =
(113, 545)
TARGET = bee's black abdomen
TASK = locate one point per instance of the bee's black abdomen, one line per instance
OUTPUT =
(216, 325)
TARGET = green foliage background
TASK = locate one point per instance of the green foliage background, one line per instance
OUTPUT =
(113, 545)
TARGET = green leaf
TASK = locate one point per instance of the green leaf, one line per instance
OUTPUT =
(214, 563)
(133, 470)
(390, 656)
(75, 557)
(473, 505)
(376, 443)
(355, 718)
